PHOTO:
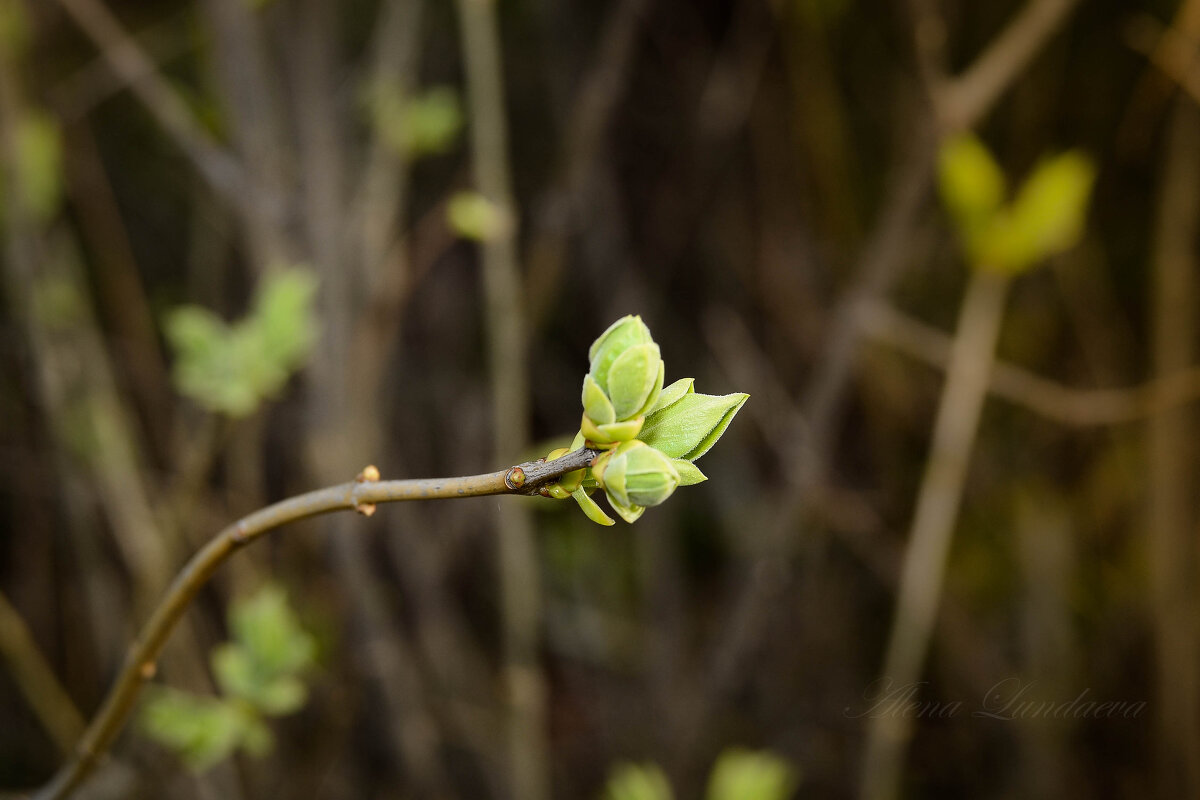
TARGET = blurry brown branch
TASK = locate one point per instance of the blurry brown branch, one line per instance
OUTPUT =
(361, 495)
(1170, 479)
(127, 60)
(507, 343)
(1173, 51)
(938, 501)
(1063, 404)
(34, 677)
(964, 100)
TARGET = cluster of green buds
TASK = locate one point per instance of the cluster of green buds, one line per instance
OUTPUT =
(651, 435)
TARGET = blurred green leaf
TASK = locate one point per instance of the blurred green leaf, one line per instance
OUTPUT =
(231, 369)
(425, 124)
(741, 774)
(473, 216)
(202, 730)
(971, 183)
(637, 782)
(270, 633)
(283, 318)
(1046, 217)
(39, 159)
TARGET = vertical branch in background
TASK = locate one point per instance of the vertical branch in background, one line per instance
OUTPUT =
(251, 103)
(936, 512)
(1047, 562)
(519, 578)
(1171, 496)
(348, 369)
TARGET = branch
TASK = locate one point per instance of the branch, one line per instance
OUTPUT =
(508, 345)
(361, 495)
(34, 677)
(1054, 401)
(934, 520)
(127, 60)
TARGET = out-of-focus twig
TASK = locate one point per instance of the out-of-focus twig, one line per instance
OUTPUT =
(966, 98)
(1050, 399)
(938, 501)
(1171, 477)
(520, 588)
(126, 58)
(35, 678)
(1172, 51)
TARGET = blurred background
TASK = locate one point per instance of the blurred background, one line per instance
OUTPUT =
(251, 246)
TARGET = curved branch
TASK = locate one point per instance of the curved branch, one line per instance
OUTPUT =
(360, 495)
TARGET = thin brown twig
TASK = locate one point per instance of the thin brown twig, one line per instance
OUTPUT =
(360, 495)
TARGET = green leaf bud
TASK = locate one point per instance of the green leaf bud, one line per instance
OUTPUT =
(635, 379)
(689, 427)
(604, 436)
(596, 403)
(636, 475)
(619, 337)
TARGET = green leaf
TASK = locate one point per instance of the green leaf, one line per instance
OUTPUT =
(672, 394)
(612, 432)
(431, 121)
(628, 331)
(202, 730)
(637, 782)
(633, 377)
(235, 670)
(266, 627)
(596, 403)
(39, 160)
(1046, 217)
(284, 695)
(689, 473)
(232, 369)
(591, 509)
(473, 216)
(746, 775)
(692, 425)
(972, 184)
(283, 320)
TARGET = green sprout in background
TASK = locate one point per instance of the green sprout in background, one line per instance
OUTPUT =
(739, 774)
